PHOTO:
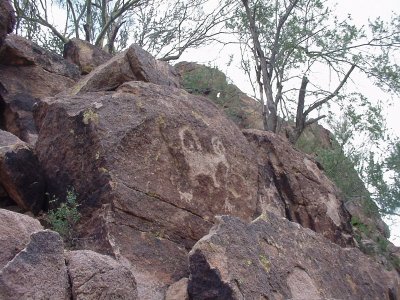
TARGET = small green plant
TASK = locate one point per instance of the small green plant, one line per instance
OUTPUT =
(363, 228)
(382, 244)
(64, 218)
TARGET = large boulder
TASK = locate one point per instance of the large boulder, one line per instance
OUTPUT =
(298, 188)
(20, 173)
(7, 19)
(85, 55)
(95, 276)
(38, 271)
(133, 64)
(152, 166)
(272, 258)
(15, 232)
(27, 74)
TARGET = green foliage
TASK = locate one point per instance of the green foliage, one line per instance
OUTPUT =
(351, 161)
(64, 218)
(289, 47)
(356, 222)
(211, 82)
(384, 179)
(337, 166)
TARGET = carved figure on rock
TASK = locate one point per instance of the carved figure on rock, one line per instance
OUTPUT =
(201, 161)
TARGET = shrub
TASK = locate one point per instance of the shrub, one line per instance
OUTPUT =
(64, 218)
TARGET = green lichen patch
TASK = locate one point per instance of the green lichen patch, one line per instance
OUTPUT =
(265, 262)
(90, 116)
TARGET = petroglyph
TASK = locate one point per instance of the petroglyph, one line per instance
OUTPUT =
(201, 161)
(186, 196)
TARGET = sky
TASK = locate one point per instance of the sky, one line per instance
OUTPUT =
(361, 11)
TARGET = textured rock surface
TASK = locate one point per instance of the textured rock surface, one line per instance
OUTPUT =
(298, 189)
(157, 175)
(272, 258)
(7, 19)
(85, 55)
(15, 230)
(27, 74)
(178, 290)
(95, 276)
(20, 173)
(38, 271)
(134, 64)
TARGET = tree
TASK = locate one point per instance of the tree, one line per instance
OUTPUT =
(291, 41)
(165, 28)
(384, 180)
(169, 29)
(97, 21)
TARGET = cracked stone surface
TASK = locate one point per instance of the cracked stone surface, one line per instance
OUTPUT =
(133, 64)
(38, 271)
(15, 232)
(298, 189)
(99, 277)
(85, 55)
(152, 166)
(29, 73)
(20, 173)
(273, 258)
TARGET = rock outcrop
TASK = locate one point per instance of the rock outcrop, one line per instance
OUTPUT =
(85, 55)
(38, 271)
(15, 231)
(272, 258)
(133, 64)
(156, 175)
(95, 276)
(152, 167)
(20, 173)
(7, 19)
(298, 190)
(27, 74)
(34, 265)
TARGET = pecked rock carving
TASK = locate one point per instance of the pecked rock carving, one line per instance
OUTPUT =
(200, 161)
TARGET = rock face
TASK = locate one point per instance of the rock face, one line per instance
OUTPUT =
(134, 64)
(40, 74)
(296, 188)
(95, 276)
(37, 272)
(7, 19)
(85, 55)
(32, 266)
(20, 173)
(150, 181)
(178, 290)
(15, 230)
(272, 258)
(153, 166)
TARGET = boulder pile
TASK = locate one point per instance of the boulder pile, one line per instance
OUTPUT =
(176, 202)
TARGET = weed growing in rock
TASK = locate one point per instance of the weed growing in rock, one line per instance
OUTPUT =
(64, 218)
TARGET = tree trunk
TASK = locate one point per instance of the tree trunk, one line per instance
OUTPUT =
(300, 117)
(271, 112)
